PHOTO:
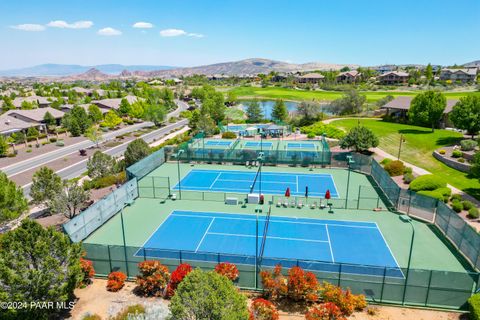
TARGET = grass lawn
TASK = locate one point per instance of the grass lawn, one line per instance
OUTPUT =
(292, 94)
(417, 149)
(234, 114)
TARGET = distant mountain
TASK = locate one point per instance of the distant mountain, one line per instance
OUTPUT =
(60, 70)
(473, 64)
(248, 66)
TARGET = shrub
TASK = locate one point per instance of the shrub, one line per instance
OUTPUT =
(89, 316)
(473, 213)
(262, 309)
(302, 286)
(461, 160)
(385, 161)
(408, 177)
(153, 279)
(228, 270)
(129, 312)
(274, 283)
(28, 150)
(229, 135)
(468, 145)
(467, 205)
(60, 143)
(177, 277)
(457, 154)
(87, 270)
(474, 306)
(116, 281)
(457, 206)
(311, 135)
(395, 168)
(53, 140)
(427, 182)
(325, 311)
(345, 300)
(432, 193)
(408, 170)
(442, 152)
(456, 196)
(320, 128)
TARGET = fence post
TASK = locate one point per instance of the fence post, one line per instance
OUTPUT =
(339, 274)
(153, 185)
(383, 283)
(168, 184)
(218, 257)
(180, 256)
(358, 200)
(428, 288)
(109, 257)
(144, 254)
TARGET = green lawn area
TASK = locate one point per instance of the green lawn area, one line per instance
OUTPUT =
(293, 94)
(417, 149)
(234, 114)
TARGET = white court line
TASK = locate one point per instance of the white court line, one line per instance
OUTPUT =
(281, 221)
(388, 247)
(218, 176)
(329, 242)
(268, 191)
(268, 237)
(240, 180)
(204, 235)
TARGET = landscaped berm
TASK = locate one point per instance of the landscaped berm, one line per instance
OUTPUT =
(338, 215)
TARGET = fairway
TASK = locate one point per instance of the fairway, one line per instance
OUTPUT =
(419, 145)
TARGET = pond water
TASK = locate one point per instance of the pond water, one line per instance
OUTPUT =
(267, 106)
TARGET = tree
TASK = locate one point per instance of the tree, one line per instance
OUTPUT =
(36, 265)
(308, 113)
(49, 120)
(136, 150)
(12, 200)
(46, 184)
(466, 114)
(70, 200)
(201, 122)
(359, 139)
(100, 165)
(429, 73)
(124, 108)
(208, 295)
(279, 111)
(231, 98)
(94, 113)
(427, 109)
(214, 105)
(3, 146)
(111, 119)
(136, 110)
(350, 103)
(94, 134)
(155, 113)
(32, 132)
(254, 112)
(81, 116)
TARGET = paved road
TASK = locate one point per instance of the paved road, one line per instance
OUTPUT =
(40, 160)
(78, 168)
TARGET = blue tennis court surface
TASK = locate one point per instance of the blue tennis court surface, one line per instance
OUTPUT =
(322, 244)
(257, 144)
(218, 143)
(272, 182)
(299, 145)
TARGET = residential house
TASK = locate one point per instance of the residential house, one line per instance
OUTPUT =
(20, 120)
(67, 107)
(349, 76)
(393, 77)
(399, 107)
(313, 78)
(9, 125)
(461, 75)
(42, 102)
(115, 103)
(385, 68)
(279, 77)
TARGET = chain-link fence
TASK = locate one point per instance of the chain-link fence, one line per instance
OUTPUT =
(427, 288)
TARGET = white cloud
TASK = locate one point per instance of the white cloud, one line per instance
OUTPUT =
(178, 33)
(65, 25)
(29, 27)
(142, 25)
(109, 32)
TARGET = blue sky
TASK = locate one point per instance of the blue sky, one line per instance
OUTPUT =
(188, 32)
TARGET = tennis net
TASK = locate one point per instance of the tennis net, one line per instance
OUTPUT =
(265, 231)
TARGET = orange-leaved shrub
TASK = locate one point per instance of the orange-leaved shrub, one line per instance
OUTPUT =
(325, 311)
(228, 270)
(116, 281)
(274, 283)
(302, 286)
(87, 271)
(153, 278)
(177, 276)
(262, 309)
(344, 299)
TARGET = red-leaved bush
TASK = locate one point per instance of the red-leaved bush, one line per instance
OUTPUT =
(177, 277)
(302, 286)
(116, 281)
(344, 299)
(87, 271)
(228, 270)
(153, 278)
(274, 283)
(325, 311)
(262, 309)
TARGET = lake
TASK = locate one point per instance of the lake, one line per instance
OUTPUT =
(267, 106)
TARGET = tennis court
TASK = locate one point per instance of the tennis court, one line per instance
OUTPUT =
(258, 144)
(219, 143)
(271, 182)
(299, 145)
(359, 246)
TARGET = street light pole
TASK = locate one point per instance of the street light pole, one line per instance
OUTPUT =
(178, 171)
(256, 251)
(407, 219)
(349, 163)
